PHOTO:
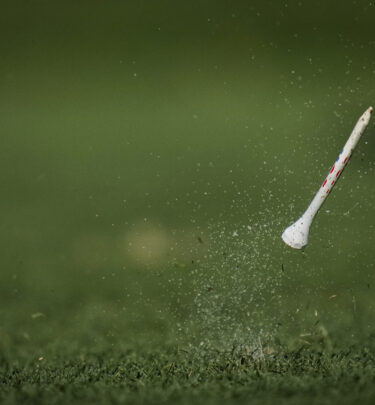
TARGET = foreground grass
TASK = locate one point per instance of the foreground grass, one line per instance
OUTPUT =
(185, 376)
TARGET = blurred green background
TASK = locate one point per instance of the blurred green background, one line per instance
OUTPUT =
(152, 152)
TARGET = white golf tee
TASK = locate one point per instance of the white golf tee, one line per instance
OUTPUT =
(297, 235)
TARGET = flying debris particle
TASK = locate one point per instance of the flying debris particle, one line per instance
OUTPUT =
(200, 240)
(282, 267)
(332, 296)
(37, 315)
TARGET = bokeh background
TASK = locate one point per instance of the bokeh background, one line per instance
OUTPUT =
(152, 152)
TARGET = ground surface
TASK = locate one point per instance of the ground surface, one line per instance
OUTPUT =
(177, 376)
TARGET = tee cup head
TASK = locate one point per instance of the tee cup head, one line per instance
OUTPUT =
(297, 234)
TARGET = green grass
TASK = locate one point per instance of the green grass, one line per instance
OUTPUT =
(176, 375)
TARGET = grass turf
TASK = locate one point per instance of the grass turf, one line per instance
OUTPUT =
(172, 375)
